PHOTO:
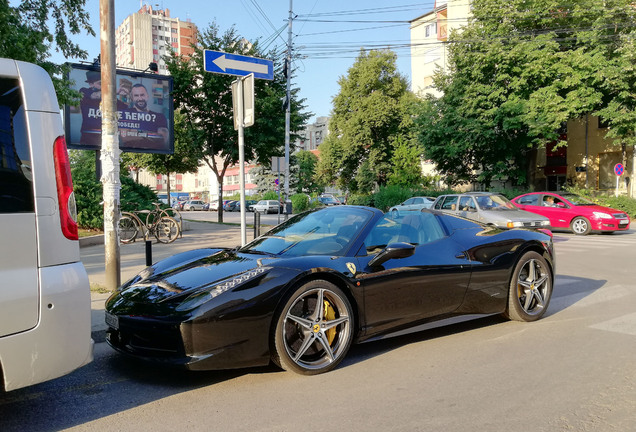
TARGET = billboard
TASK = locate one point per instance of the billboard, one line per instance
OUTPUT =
(144, 111)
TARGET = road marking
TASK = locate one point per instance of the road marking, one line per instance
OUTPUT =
(625, 324)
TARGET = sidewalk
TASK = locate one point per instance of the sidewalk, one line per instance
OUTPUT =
(133, 259)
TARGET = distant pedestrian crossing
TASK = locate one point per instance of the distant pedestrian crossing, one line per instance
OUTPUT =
(564, 242)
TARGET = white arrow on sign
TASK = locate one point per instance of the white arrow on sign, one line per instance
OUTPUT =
(224, 63)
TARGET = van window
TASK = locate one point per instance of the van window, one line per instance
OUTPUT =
(16, 182)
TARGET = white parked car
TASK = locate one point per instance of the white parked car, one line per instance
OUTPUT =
(412, 204)
(267, 206)
(193, 205)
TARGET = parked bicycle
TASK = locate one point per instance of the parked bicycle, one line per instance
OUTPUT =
(155, 222)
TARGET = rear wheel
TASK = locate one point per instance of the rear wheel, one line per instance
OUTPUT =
(530, 288)
(580, 226)
(128, 229)
(314, 329)
(167, 230)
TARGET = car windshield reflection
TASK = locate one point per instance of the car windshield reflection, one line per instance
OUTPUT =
(327, 231)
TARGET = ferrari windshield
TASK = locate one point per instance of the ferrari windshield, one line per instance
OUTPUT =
(494, 202)
(327, 231)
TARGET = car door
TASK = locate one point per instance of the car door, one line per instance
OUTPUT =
(403, 291)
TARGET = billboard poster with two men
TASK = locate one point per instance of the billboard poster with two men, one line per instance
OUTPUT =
(144, 111)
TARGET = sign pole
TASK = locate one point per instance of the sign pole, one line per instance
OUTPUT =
(241, 145)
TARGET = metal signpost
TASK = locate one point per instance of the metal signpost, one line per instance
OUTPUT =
(247, 68)
(618, 170)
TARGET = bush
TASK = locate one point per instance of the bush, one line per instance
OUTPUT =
(360, 199)
(389, 196)
(300, 202)
(89, 196)
(270, 195)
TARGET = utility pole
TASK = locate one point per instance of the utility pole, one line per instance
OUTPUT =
(110, 144)
(288, 109)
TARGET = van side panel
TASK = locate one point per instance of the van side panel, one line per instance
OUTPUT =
(19, 285)
(61, 342)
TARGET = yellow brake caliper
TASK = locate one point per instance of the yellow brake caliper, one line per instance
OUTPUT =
(330, 314)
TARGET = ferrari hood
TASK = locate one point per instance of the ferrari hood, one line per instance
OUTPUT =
(188, 272)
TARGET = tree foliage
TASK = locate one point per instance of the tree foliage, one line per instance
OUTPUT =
(371, 114)
(306, 169)
(32, 28)
(517, 73)
(205, 99)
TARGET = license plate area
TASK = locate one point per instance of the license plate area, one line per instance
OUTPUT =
(112, 321)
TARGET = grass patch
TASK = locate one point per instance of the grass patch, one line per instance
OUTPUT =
(101, 289)
(89, 232)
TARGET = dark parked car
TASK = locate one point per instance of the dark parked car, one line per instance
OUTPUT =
(301, 294)
(231, 206)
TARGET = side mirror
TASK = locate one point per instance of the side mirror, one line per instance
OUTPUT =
(392, 251)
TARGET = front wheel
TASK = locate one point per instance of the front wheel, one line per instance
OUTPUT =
(167, 230)
(314, 329)
(530, 288)
(580, 226)
(128, 229)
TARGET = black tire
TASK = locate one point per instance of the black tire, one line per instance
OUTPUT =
(530, 288)
(580, 226)
(310, 340)
(128, 229)
(167, 230)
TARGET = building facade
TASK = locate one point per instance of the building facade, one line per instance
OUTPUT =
(429, 41)
(147, 35)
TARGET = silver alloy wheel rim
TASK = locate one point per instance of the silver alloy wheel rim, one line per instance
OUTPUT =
(579, 226)
(533, 287)
(306, 329)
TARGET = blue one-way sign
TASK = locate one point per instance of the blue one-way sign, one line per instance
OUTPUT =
(238, 65)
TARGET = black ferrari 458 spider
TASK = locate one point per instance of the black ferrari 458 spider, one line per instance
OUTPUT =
(301, 294)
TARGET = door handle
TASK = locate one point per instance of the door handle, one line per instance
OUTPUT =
(461, 255)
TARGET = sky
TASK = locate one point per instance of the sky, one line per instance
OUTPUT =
(327, 33)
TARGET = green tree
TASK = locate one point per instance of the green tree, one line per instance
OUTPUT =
(517, 73)
(306, 168)
(370, 113)
(406, 165)
(205, 99)
(32, 28)
(183, 160)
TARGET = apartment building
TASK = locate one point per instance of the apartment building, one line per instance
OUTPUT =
(147, 35)
(429, 41)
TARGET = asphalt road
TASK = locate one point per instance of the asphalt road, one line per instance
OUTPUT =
(571, 371)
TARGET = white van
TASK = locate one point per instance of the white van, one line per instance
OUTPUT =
(45, 322)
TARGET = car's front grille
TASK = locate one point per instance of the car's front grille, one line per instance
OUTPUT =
(151, 339)
(620, 215)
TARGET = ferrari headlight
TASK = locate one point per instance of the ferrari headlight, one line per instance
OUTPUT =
(208, 293)
(602, 215)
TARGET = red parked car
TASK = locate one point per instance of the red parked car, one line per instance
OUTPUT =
(569, 211)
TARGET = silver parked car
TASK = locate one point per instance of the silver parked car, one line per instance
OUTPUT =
(490, 208)
(193, 205)
(412, 204)
(267, 206)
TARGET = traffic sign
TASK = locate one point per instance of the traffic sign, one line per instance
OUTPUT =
(237, 65)
(619, 169)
